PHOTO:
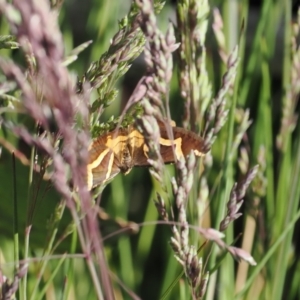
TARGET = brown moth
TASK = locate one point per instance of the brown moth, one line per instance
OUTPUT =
(122, 149)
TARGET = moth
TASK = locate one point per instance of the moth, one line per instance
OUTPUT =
(124, 148)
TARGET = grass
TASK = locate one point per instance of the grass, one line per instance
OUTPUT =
(167, 233)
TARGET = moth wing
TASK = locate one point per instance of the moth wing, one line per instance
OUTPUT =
(170, 148)
(140, 158)
(99, 175)
(101, 167)
(190, 142)
(138, 148)
(140, 152)
(167, 153)
(183, 143)
(141, 155)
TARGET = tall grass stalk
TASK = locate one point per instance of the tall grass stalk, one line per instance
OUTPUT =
(220, 77)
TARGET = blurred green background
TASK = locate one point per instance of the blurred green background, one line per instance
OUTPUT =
(144, 261)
